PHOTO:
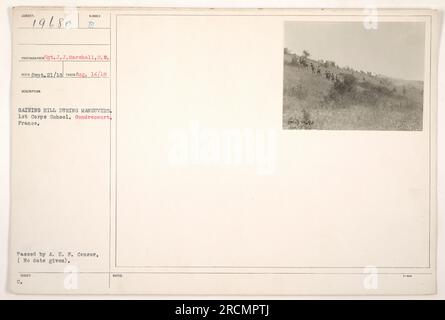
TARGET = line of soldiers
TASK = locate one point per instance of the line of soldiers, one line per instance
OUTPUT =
(302, 62)
(332, 76)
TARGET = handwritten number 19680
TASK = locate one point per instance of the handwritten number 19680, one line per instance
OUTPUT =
(51, 23)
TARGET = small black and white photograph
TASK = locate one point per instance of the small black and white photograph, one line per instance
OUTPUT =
(350, 76)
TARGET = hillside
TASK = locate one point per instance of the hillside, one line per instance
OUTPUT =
(322, 95)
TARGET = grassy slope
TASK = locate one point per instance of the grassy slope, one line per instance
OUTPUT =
(305, 105)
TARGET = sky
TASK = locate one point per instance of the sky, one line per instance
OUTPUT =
(394, 49)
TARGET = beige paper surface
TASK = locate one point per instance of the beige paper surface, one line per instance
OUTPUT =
(180, 151)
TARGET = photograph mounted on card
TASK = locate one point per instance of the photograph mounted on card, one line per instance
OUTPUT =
(223, 151)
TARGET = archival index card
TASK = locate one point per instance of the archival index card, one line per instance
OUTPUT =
(199, 151)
